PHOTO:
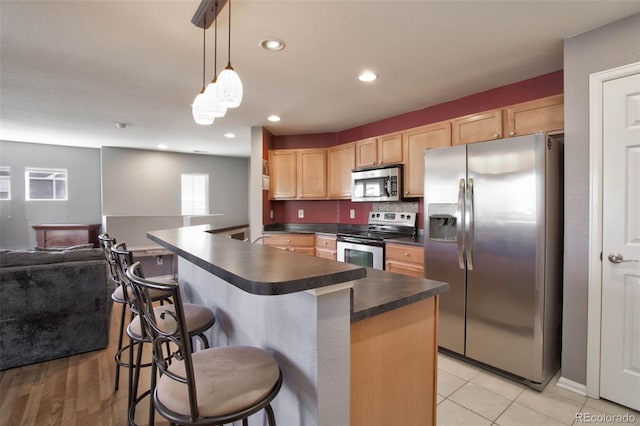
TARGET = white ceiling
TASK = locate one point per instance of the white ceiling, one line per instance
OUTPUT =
(70, 69)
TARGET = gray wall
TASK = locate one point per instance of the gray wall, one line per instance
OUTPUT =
(604, 48)
(83, 205)
(139, 182)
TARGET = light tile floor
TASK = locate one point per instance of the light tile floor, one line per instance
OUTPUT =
(471, 396)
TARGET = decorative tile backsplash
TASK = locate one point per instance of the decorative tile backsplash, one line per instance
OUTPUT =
(396, 207)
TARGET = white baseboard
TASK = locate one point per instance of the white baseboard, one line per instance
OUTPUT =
(572, 386)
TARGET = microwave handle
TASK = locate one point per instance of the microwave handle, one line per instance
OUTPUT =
(387, 186)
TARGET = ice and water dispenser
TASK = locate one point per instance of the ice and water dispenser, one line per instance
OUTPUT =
(442, 222)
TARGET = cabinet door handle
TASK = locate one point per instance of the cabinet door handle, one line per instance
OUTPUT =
(513, 133)
(406, 254)
(496, 135)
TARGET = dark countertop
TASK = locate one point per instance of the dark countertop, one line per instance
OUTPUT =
(383, 291)
(252, 267)
(335, 228)
(417, 240)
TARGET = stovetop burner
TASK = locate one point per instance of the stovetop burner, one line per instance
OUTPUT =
(386, 225)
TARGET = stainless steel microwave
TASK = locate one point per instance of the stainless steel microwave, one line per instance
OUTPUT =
(377, 184)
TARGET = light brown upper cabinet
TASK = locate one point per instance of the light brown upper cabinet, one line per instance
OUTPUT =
(341, 159)
(540, 115)
(312, 173)
(367, 152)
(283, 175)
(480, 127)
(415, 141)
(298, 173)
(385, 149)
(390, 149)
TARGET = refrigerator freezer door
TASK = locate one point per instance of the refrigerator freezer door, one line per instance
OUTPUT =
(444, 169)
(506, 285)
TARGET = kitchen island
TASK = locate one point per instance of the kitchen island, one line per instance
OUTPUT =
(356, 346)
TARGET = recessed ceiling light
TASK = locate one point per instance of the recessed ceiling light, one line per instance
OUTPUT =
(367, 76)
(162, 146)
(230, 135)
(272, 44)
(273, 118)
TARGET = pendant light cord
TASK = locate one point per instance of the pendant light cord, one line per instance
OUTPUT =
(204, 49)
(215, 43)
(229, 62)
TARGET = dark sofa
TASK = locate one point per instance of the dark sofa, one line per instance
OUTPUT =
(53, 304)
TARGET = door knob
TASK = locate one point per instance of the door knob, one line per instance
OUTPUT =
(618, 258)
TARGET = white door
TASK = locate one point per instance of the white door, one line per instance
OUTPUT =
(620, 334)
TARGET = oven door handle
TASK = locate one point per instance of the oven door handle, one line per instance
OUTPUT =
(351, 240)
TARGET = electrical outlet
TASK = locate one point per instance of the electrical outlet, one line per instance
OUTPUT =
(271, 214)
(300, 214)
(159, 260)
(352, 214)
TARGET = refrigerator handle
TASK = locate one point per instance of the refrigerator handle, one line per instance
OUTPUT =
(469, 225)
(459, 213)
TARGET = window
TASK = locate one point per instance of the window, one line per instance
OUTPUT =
(195, 194)
(5, 183)
(46, 184)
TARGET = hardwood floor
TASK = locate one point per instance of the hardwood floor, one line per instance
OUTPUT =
(76, 390)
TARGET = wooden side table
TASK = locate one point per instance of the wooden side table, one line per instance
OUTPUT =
(65, 235)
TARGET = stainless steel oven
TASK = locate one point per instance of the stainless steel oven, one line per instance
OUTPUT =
(357, 252)
(366, 248)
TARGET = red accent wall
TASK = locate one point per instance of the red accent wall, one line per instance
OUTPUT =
(337, 211)
(317, 140)
(522, 91)
(320, 211)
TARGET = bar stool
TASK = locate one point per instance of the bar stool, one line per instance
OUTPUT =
(198, 320)
(117, 296)
(210, 387)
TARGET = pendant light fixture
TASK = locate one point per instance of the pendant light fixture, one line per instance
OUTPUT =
(211, 93)
(229, 86)
(199, 108)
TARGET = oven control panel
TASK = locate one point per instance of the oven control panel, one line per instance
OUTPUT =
(392, 218)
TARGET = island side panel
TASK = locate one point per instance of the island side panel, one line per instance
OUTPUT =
(394, 367)
(307, 334)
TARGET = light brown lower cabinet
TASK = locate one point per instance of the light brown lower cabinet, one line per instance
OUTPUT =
(394, 367)
(404, 259)
(298, 243)
(326, 247)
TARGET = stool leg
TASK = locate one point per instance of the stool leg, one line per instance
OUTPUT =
(152, 388)
(134, 376)
(270, 416)
(120, 336)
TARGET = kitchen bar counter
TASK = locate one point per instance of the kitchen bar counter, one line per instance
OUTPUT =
(335, 329)
(251, 267)
(271, 272)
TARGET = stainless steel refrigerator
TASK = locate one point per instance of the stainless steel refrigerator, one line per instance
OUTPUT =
(493, 231)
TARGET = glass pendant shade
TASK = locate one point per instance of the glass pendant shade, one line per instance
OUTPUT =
(199, 111)
(229, 88)
(212, 104)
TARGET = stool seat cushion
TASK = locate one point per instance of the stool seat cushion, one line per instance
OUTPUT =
(117, 294)
(228, 379)
(197, 318)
